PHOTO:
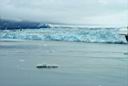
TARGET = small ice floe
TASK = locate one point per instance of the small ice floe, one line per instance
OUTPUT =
(46, 66)
(45, 45)
(21, 60)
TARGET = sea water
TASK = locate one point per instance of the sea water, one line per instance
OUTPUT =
(79, 64)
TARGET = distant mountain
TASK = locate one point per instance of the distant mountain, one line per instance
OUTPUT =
(9, 24)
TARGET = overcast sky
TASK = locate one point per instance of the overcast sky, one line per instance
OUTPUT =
(104, 12)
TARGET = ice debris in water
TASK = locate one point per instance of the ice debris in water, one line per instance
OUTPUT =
(45, 45)
(21, 60)
(46, 66)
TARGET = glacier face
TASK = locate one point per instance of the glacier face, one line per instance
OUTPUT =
(75, 34)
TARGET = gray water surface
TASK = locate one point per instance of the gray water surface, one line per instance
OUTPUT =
(80, 64)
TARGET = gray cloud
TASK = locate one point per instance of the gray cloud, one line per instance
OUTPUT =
(108, 12)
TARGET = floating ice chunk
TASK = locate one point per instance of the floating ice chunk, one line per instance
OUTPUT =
(21, 60)
(46, 66)
(45, 45)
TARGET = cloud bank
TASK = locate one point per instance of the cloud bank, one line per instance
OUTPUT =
(102, 12)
